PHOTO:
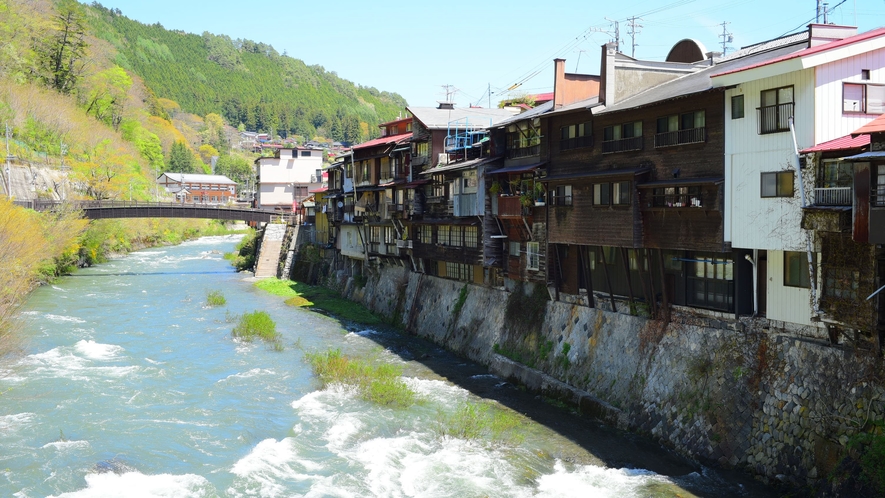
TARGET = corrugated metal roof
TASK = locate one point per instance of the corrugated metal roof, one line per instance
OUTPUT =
(841, 143)
(517, 169)
(693, 83)
(194, 178)
(533, 113)
(812, 50)
(462, 165)
(439, 119)
(384, 140)
(875, 126)
(873, 154)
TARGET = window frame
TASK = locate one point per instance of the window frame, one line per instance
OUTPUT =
(562, 195)
(778, 120)
(602, 194)
(864, 98)
(777, 184)
(735, 99)
(804, 279)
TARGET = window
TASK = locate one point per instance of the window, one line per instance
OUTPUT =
(442, 235)
(677, 197)
(711, 282)
(425, 234)
(685, 128)
(621, 193)
(634, 257)
(602, 194)
(470, 239)
(607, 255)
(776, 110)
(620, 138)
(879, 192)
(305, 153)
(737, 106)
(796, 269)
(421, 149)
(863, 99)
(561, 195)
(458, 271)
(513, 249)
(841, 283)
(576, 135)
(533, 255)
(777, 184)
(524, 138)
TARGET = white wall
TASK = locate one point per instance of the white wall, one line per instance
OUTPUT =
(831, 123)
(288, 170)
(756, 222)
(349, 242)
(784, 303)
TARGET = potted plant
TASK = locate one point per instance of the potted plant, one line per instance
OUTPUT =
(495, 189)
(539, 194)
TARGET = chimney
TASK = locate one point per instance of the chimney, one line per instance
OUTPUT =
(446, 105)
(820, 34)
(607, 74)
(558, 81)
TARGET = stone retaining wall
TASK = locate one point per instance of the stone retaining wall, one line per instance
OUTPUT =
(739, 394)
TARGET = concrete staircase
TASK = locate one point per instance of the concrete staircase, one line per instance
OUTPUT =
(269, 254)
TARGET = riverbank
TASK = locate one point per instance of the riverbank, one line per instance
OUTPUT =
(742, 396)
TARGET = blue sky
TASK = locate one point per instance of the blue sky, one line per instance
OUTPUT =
(415, 47)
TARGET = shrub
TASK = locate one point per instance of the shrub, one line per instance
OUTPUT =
(215, 298)
(380, 384)
(257, 324)
(476, 421)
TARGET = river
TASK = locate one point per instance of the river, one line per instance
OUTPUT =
(128, 384)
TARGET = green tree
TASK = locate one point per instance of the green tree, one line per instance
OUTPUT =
(106, 95)
(64, 53)
(181, 160)
(147, 143)
(237, 168)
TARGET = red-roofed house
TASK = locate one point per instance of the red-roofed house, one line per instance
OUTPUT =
(788, 211)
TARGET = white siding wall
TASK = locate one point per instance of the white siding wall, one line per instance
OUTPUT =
(274, 194)
(830, 122)
(289, 170)
(349, 242)
(770, 223)
(788, 304)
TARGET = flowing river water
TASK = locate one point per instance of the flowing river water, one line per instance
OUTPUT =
(129, 385)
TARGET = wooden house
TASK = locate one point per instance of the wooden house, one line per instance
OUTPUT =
(199, 189)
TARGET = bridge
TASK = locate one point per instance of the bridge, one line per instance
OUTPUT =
(97, 210)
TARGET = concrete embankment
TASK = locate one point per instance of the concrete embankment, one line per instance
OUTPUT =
(744, 396)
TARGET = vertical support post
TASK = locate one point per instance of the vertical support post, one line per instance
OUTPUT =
(665, 301)
(608, 280)
(624, 257)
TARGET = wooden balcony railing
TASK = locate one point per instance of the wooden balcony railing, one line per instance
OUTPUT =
(679, 137)
(622, 145)
(533, 150)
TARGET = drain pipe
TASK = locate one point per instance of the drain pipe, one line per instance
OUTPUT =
(809, 247)
(752, 261)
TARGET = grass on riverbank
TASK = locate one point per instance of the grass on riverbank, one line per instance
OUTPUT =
(258, 324)
(321, 298)
(380, 384)
(475, 421)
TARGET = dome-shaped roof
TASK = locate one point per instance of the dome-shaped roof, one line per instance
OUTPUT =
(688, 51)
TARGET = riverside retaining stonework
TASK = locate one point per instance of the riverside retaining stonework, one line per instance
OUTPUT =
(780, 406)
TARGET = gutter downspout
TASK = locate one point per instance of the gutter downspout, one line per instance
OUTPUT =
(752, 261)
(809, 247)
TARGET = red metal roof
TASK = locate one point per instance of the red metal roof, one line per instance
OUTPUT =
(319, 190)
(811, 50)
(875, 126)
(384, 140)
(841, 143)
(543, 97)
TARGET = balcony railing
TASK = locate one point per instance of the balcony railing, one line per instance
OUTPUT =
(576, 142)
(679, 137)
(775, 118)
(533, 150)
(833, 196)
(622, 145)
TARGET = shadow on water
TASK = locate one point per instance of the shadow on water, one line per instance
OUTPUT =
(615, 448)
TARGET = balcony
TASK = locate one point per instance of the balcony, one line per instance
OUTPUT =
(510, 206)
(680, 137)
(775, 118)
(404, 244)
(833, 196)
(622, 145)
(576, 142)
(518, 152)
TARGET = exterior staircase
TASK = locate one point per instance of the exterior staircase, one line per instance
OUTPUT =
(269, 255)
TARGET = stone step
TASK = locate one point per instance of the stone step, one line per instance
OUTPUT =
(269, 255)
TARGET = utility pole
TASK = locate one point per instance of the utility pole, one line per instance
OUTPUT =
(617, 33)
(634, 30)
(726, 37)
(8, 169)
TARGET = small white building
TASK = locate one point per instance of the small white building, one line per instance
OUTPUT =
(830, 85)
(285, 179)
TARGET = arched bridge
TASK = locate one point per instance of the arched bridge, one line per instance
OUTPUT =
(96, 210)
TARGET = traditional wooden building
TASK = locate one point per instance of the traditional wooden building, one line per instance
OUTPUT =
(199, 189)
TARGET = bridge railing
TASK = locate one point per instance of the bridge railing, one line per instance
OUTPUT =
(45, 205)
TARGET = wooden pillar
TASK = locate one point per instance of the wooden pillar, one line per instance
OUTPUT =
(665, 301)
(608, 280)
(625, 258)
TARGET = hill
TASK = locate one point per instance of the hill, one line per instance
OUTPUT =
(244, 81)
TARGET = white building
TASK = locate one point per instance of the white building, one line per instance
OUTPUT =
(830, 85)
(284, 180)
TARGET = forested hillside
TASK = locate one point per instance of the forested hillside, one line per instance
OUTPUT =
(245, 81)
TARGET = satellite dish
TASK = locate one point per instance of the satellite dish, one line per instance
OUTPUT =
(340, 204)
